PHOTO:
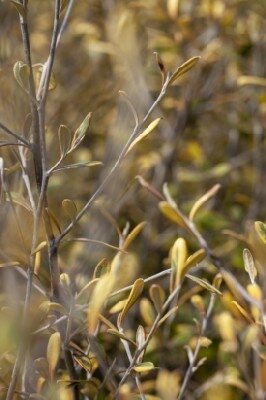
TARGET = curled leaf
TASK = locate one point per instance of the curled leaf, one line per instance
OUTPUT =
(249, 265)
(134, 233)
(40, 246)
(136, 291)
(206, 285)
(121, 335)
(260, 228)
(81, 131)
(203, 199)
(145, 133)
(183, 69)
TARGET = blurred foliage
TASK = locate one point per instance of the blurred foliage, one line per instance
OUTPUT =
(213, 131)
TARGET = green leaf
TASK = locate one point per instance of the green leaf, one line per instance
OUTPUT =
(144, 367)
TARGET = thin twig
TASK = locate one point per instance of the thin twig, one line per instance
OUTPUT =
(193, 360)
(116, 165)
(154, 326)
(15, 135)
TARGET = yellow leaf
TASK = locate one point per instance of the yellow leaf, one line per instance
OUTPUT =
(136, 291)
(131, 236)
(206, 285)
(195, 258)
(101, 291)
(184, 68)
(144, 367)
(249, 265)
(158, 296)
(145, 133)
(53, 352)
(40, 246)
(260, 228)
(172, 214)
(243, 312)
(178, 259)
(202, 200)
(251, 80)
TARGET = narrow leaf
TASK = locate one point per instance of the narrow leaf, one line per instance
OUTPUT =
(10, 264)
(53, 352)
(140, 340)
(146, 132)
(184, 68)
(81, 131)
(249, 265)
(136, 291)
(172, 214)
(115, 332)
(203, 283)
(158, 297)
(79, 165)
(195, 258)
(65, 137)
(202, 200)
(260, 228)
(251, 80)
(144, 367)
(39, 247)
(133, 234)
(243, 312)
(21, 73)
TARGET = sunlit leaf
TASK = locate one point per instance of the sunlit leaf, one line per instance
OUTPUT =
(144, 367)
(203, 283)
(172, 214)
(53, 352)
(39, 247)
(179, 256)
(184, 68)
(133, 234)
(145, 133)
(136, 291)
(81, 131)
(249, 265)
(157, 296)
(195, 258)
(260, 228)
(202, 200)
(251, 80)
(243, 312)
